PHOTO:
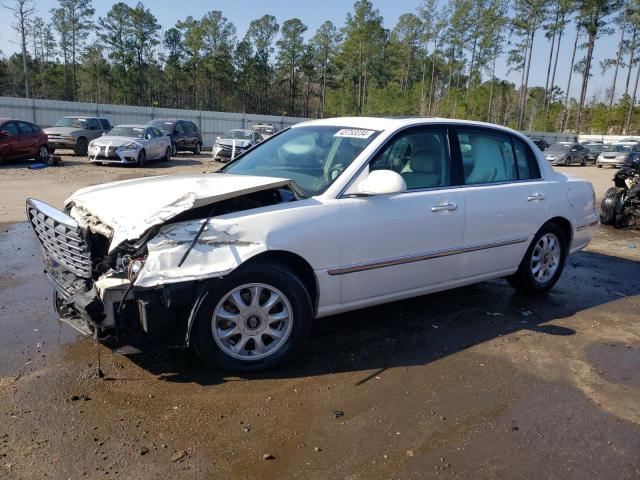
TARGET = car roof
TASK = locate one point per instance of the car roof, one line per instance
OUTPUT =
(246, 130)
(5, 119)
(136, 125)
(170, 120)
(391, 123)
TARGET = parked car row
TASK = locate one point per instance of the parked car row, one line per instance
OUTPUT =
(96, 138)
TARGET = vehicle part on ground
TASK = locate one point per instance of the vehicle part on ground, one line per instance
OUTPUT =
(620, 206)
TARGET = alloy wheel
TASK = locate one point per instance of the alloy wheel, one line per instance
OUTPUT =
(252, 321)
(545, 258)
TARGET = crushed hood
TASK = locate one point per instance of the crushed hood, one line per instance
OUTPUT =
(130, 207)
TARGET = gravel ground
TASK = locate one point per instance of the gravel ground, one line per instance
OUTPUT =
(477, 382)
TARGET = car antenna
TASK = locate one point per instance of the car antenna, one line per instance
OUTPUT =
(197, 236)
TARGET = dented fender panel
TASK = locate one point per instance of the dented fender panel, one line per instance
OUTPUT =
(221, 248)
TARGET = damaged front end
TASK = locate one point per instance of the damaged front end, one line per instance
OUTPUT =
(94, 291)
(148, 288)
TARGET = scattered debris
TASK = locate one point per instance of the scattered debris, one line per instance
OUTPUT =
(75, 398)
(317, 449)
(633, 245)
(338, 413)
(410, 453)
(495, 314)
(144, 451)
(179, 455)
(619, 294)
(268, 456)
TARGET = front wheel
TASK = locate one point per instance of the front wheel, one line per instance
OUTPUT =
(167, 155)
(142, 158)
(543, 262)
(82, 147)
(584, 161)
(198, 149)
(255, 318)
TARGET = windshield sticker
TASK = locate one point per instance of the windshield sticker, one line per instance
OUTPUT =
(354, 133)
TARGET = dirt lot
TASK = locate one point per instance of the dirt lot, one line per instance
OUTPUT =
(478, 382)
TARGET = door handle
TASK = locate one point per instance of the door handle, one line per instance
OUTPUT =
(535, 196)
(445, 207)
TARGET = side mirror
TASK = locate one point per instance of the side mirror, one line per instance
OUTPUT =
(383, 182)
(218, 137)
(148, 136)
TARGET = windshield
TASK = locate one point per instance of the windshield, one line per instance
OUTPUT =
(136, 132)
(264, 130)
(239, 134)
(561, 147)
(597, 147)
(72, 122)
(312, 156)
(617, 148)
(165, 125)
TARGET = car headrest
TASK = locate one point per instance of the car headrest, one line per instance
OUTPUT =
(426, 160)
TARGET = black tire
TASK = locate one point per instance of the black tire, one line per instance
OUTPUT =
(270, 274)
(52, 150)
(167, 155)
(612, 205)
(567, 161)
(598, 166)
(81, 147)
(523, 280)
(174, 148)
(142, 158)
(198, 149)
(584, 161)
(97, 163)
(42, 154)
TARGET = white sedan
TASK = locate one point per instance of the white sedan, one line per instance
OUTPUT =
(328, 216)
(130, 144)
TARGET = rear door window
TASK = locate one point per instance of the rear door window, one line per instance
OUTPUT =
(104, 123)
(487, 157)
(27, 128)
(11, 128)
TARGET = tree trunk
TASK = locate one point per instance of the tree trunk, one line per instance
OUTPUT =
(526, 82)
(631, 60)
(493, 80)
(585, 81)
(547, 92)
(615, 71)
(632, 104)
(433, 71)
(23, 33)
(565, 114)
(555, 66)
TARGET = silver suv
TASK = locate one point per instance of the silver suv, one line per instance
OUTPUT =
(75, 133)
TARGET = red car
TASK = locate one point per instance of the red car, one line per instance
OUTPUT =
(19, 140)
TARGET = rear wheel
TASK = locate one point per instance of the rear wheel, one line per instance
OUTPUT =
(567, 161)
(167, 155)
(142, 158)
(584, 161)
(612, 206)
(255, 318)
(543, 262)
(81, 147)
(174, 148)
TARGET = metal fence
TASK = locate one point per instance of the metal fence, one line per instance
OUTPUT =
(46, 113)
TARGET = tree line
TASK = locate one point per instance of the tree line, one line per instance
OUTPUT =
(439, 60)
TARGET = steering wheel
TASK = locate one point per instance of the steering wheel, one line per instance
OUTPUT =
(335, 172)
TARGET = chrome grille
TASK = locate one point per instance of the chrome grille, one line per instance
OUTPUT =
(61, 238)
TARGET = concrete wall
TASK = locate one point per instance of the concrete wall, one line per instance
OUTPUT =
(47, 112)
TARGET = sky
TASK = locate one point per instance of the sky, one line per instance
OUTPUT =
(313, 13)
